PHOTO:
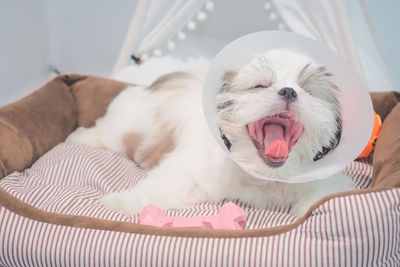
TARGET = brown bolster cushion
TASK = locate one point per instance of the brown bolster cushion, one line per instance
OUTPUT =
(386, 159)
(33, 125)
(92, 96)
(384, 102)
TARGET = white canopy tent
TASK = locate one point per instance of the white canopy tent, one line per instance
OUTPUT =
(201, 27)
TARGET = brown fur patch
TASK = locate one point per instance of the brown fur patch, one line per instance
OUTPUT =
(229, 75)
(152, 155)
(163, 81)
(227, 80)
(131, 143)
(162, 143)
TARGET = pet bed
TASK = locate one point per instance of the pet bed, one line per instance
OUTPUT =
(50, 216)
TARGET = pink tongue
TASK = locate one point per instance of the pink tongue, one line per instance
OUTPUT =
(278, 150)
(275, 145)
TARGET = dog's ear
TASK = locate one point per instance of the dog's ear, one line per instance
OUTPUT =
(334, 142)
(227, 79)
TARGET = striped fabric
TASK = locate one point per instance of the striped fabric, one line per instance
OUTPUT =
(355, 230)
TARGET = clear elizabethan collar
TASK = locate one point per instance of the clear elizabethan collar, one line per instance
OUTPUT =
(356, 105)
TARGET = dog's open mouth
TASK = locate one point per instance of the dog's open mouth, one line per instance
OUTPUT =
(275, 136)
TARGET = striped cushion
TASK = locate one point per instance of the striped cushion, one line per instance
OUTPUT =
(358, 229)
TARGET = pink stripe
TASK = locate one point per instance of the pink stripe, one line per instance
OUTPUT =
(8, 258)
(391, 226)
(18, 240)
(394, 224)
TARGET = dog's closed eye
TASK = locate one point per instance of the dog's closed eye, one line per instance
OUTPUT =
(261, 86)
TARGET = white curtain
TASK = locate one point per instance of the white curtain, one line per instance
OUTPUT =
(156, 21)
(327, 21)
(153, 23)
(367, 47)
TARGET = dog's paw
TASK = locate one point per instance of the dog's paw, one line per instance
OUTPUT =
(298, 211)
(121, 203)
(300, 208)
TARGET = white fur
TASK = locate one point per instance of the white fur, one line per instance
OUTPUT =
(198, 169)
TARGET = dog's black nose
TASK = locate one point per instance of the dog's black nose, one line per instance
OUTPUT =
(289, 94)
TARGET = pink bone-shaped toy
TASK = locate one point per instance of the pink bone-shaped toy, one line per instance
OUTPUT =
(230, 217)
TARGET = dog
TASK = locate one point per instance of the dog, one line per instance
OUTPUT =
(277, 114)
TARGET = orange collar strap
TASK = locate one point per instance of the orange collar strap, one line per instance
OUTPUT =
(375, 133)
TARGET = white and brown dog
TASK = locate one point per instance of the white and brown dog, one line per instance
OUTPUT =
(276, 114)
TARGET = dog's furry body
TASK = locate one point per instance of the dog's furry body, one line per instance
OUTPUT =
(163, 129)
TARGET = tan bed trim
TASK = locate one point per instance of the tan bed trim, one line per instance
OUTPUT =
(23, 209)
